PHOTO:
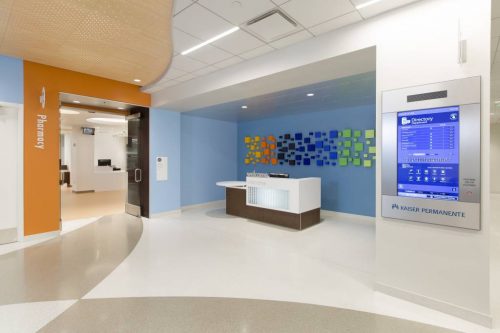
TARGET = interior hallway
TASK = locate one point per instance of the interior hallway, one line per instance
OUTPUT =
(76, 206)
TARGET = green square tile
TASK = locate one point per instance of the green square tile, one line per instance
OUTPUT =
(374, 157)
(367, 163)
(346, 152)
(343, 161)
(340, 143)
(365, 155)
(359, 146)
(356, 155)
(347, 144)
(369, 134)
(368, 142)
(357, 161)
(347, 133)
(357, 133)
(372, 150)
(355, 140)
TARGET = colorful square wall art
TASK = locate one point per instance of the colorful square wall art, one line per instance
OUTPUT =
(335, 147)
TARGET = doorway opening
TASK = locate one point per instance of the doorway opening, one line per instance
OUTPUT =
(104, 155)
(11, 192)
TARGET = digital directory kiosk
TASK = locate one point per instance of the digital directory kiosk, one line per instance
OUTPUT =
(431, 153)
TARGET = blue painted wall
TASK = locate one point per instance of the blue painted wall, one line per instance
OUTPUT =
(208, 155)
(348, 189)
(165, 138)
(11, 80)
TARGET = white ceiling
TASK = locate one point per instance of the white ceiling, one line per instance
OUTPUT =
(495, 61)
(198, 20)
(70, 121)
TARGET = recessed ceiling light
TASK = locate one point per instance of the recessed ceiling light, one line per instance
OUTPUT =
(310, 95)
(211, 40)
(76, 102)
(497, 102)
(68, 111)
(107, 120)
(244, 107)
(137, 80)
(366, 4)
(121, 108)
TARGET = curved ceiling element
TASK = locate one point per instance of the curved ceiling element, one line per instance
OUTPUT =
(122, 40)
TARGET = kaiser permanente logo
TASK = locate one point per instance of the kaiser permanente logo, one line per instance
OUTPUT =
(429, 211)
(41, 119)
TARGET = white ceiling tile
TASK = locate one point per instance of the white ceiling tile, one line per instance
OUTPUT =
(280, 2)
(210, 54)
(200, 22)
(238, 42)
(312, 12)
(257, 52)
(183, 41)
(380, 7)
(292, 39)
(186, 77)
(273, 27)
(166, 84)
(186, 64)
(180, 5)
(336, 23)
(239, 11)
(205, 70)
(172, 73)
(228, 62)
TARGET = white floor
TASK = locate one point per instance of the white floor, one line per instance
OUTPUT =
(203, 252)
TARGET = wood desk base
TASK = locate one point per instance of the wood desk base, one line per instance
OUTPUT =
(236, 205)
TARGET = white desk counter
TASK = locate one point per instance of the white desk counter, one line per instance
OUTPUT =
(288, 202)
(285, 194)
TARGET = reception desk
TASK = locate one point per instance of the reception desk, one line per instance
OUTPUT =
(287, 202)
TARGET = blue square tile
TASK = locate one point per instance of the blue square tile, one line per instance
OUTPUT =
(319, 162)
(307, 140)
(326, 147)
(311, 147)
(298, 136)
(317, 134)
(298, 157)
(319, 144)
(333, 155)
(307, 161)
(334, 134)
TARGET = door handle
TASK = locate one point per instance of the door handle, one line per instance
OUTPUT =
(138, 179)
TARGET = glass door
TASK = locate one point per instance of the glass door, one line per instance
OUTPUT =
(134, 170)
(10, 170)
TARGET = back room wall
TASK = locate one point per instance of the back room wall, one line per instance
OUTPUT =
(346, 189)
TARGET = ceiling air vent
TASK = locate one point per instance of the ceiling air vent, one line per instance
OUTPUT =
(273, 25)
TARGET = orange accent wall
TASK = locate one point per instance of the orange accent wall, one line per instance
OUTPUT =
(42, 206)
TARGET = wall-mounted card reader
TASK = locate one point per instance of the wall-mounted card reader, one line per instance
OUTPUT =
(431, 153)
(161, 168)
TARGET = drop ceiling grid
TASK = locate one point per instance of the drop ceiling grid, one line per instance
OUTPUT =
(343, 12)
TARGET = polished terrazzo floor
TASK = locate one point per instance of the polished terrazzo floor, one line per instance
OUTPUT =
(204, 271)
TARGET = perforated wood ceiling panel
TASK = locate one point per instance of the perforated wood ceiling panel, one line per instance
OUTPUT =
(117, 39)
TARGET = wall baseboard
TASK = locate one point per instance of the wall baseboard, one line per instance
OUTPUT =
(448, 308)
(165, 214)
(49, 234)
(204, 205)
(347, 216)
